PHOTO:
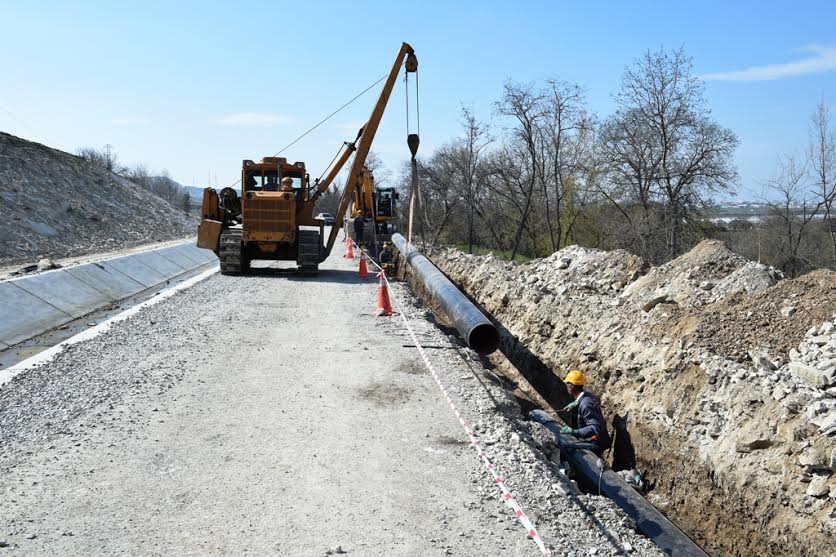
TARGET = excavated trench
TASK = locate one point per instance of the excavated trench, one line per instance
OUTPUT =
(722, 502)
(527, 397)
(662, 464)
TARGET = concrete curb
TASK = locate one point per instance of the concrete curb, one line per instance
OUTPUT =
(47, 355)
(33, 305)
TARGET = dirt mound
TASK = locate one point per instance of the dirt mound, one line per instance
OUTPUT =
(704, 275)
(727, 373)
(772, 320)
(58, 205)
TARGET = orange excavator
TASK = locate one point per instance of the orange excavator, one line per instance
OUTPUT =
(273, 217)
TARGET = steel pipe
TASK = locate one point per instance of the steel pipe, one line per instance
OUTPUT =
(476, 329)
(590, 474)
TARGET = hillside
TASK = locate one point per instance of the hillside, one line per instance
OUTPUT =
(58, 205)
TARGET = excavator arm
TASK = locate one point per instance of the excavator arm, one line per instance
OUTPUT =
(406, 57)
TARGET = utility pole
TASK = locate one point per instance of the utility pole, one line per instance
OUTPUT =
(108, 162)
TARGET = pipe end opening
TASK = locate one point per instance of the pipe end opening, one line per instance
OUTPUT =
(484, 339)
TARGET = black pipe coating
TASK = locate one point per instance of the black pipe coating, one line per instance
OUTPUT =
(476, 329)
(650, 522)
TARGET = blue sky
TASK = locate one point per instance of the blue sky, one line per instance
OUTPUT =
(195, 87)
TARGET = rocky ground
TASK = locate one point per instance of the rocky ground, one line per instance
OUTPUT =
(276, 415)
(727, 375)
(57, 205)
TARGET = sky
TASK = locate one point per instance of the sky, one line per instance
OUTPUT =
(197, 87)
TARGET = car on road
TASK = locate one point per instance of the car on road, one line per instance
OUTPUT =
(327, 217)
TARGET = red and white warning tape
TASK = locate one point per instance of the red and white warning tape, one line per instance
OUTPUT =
(507, 496)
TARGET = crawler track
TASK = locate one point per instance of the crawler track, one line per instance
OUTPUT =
(229, 253)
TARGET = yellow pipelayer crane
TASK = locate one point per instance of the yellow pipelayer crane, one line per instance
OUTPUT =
(378, 206)
(277, 200)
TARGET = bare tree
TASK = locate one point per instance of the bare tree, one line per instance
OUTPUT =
(164, 186)
(185, 200)
(664, 147)
(104, 158)
(566, 130)
(471, 171)
(374, 163)
(791, 206)
(822, 155)
(522, 104)
(438, 197)
(140, 176)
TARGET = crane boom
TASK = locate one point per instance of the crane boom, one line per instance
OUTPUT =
(405, 56)
(273, 217)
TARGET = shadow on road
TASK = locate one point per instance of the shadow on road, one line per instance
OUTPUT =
(340, 276)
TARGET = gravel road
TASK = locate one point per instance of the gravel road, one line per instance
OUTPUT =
(275, 415)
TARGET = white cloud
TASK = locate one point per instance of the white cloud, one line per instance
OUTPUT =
(821, 59)
(253, 119)
(352, 126)
(129, 121)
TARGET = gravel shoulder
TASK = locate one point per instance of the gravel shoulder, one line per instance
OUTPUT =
(275, 415)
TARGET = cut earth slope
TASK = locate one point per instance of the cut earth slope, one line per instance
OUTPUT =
(727, 374)
(58, 205)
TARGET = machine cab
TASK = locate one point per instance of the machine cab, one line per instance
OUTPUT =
(270, 209)
(385, 202)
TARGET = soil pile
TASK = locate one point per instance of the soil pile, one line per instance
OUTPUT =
(726, 371)
(58, 205)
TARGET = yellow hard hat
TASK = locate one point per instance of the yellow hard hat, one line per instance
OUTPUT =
(287, 181)
(576, 378)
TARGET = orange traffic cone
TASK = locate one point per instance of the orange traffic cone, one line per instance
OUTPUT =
(384, 307)
(350, 253)
(364, 271)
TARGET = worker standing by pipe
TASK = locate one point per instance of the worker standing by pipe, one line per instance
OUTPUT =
(359, 224)
(592, 429)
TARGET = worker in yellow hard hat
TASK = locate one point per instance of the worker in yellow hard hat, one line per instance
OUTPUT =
(287, 184)
(585, 409)
(387, 258)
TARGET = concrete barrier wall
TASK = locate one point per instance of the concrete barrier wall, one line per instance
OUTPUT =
(33, 305)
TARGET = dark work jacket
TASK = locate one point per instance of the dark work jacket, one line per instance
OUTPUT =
(358, 225)
(591, 424)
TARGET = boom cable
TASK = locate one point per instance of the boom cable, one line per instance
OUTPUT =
(327, 168)
(357, 96)
(360, 94)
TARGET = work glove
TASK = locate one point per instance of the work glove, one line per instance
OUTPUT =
(566, 430)
(571, 406)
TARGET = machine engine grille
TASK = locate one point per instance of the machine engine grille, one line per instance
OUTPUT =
(269, 215)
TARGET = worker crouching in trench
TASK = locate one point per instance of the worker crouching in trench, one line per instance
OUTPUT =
(387, 259)
(585, 410)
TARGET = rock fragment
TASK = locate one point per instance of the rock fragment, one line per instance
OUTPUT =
(663, 299)
(818, 487)
(46, 264)
(816, 377)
